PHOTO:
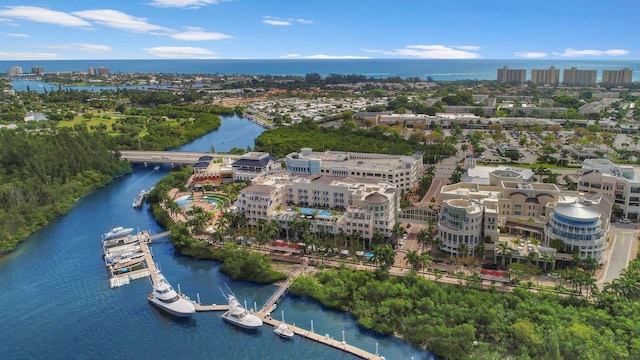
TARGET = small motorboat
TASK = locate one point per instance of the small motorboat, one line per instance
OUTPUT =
(283, 331)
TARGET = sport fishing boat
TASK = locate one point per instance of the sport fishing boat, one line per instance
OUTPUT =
(167, 299)
(238, 315)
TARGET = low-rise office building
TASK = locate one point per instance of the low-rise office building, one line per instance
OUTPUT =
(619, 182)
(403, 171)
(509, 207)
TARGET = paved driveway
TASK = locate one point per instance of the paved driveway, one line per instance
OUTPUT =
(622, 251)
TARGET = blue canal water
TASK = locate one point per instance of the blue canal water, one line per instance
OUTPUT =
(55, 300)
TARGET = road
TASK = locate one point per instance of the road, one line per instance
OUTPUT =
(623, 249)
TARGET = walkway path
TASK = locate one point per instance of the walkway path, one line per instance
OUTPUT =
(266, 309)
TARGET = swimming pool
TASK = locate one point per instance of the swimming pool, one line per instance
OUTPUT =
(184, 200)
(187, 199)
(308, 211)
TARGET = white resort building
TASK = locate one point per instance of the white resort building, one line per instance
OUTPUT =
(329, 203)
(403, 171)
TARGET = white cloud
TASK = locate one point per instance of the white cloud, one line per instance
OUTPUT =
(432, 52)
(530, 54)
(89, 48)
(18, 35)
(466, 47)
(186, 4)
(122, 21)
(322, 57)
(269, 20)
(196, 34)
(569, 52)
(43, 15)
(28, 56)
(181, 52)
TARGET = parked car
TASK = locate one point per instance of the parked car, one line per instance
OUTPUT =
(625, 221)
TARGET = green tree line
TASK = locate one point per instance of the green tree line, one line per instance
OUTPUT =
(41, 175)
(287, 139)
(458, 322)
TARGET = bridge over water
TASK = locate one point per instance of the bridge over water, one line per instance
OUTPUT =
(171, 157)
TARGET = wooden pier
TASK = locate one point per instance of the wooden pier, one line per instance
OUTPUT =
(268, 306)
(323, 339)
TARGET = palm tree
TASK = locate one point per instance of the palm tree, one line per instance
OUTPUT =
(385, 256)
(172, 207)
(222, 224)
(377, 238)
(397, 230)
(463, 250)
(590, 264)
(198, 219)
(413, 259)
(503, 249)
(269, 230)
(423, 237)
(626, 286)
(425, 260)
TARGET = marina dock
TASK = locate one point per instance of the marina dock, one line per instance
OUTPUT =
(133, 250)
(324, 339)
(129, 257)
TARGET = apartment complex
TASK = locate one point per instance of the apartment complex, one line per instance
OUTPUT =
(333, 204)
(617, 77)
(549, 76)
(37, 70)
(505, 75)
(570, 77)
(101, 71)
(403, 171)
(577, 77)
(15, 71)
(620, 182)
(510, 208)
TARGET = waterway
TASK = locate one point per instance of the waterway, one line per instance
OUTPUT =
(56, 303)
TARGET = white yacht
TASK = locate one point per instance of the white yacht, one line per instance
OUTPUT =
(139, 201)
(164, 297)
(117, 232)
(239, 316)
(283, 331)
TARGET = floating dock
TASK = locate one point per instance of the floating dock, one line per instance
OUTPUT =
(129, 257)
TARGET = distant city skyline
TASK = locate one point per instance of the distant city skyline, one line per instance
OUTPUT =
(314, 29)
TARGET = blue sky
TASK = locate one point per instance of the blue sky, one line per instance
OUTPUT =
(318, 29)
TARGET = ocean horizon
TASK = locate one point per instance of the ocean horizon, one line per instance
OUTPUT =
(438, 70)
